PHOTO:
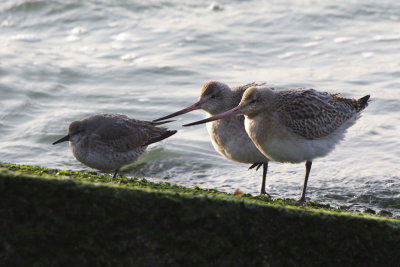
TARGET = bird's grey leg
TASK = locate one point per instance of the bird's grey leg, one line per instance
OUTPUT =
(259, 166)
(264, 178)
(302, 199)
(255, 165)
(115, 174)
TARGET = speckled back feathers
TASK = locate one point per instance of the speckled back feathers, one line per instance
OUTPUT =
(312, 114)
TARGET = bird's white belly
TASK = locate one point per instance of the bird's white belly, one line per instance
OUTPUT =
(278, 144)
(295, 151)
(104, 158)
(234, 144)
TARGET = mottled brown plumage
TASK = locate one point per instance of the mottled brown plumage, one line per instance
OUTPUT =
(110, 141)
(295, 125)
(312, 114)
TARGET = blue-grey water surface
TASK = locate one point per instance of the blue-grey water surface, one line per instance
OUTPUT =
(64, 60)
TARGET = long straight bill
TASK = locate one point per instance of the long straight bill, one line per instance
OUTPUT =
(229, 113)
(65, 138)
(180, 112)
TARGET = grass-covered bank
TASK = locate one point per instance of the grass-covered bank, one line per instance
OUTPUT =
(61, 218)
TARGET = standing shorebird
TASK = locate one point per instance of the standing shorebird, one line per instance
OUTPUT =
(217, 97)
(295, 125)
(109, 141)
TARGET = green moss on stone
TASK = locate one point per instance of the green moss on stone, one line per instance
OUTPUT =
(65, 218)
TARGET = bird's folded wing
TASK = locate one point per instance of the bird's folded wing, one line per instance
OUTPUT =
(313, 114)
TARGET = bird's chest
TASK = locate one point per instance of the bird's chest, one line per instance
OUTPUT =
(229, 138)
(80, 149)
(263, 129)
(273, 140)
(220, 132)
(98, 156)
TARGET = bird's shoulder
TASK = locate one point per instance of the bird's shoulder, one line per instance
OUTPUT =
(242, 88)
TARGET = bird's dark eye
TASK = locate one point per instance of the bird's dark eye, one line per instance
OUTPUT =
(213, 96)
(252, 101)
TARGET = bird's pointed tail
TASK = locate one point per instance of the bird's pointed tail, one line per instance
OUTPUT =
(363, 102)
(165, 135)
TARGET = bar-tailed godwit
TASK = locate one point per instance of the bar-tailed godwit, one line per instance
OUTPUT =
(217, 97)
(109, 141)
(295, 125)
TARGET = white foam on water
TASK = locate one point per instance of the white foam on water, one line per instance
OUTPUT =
(215, 7)
(114, 24)
(78, 31)
(88, 50)
(386, 38)
(7, 23)
(97, 66)
(190, 38)
(311, 44)
(72, 38)
(118, 46)
(129, 57)
(367, 54)
(123, 37)
(286, 55)
(26, 37)
(317, 38)
(340, 40)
